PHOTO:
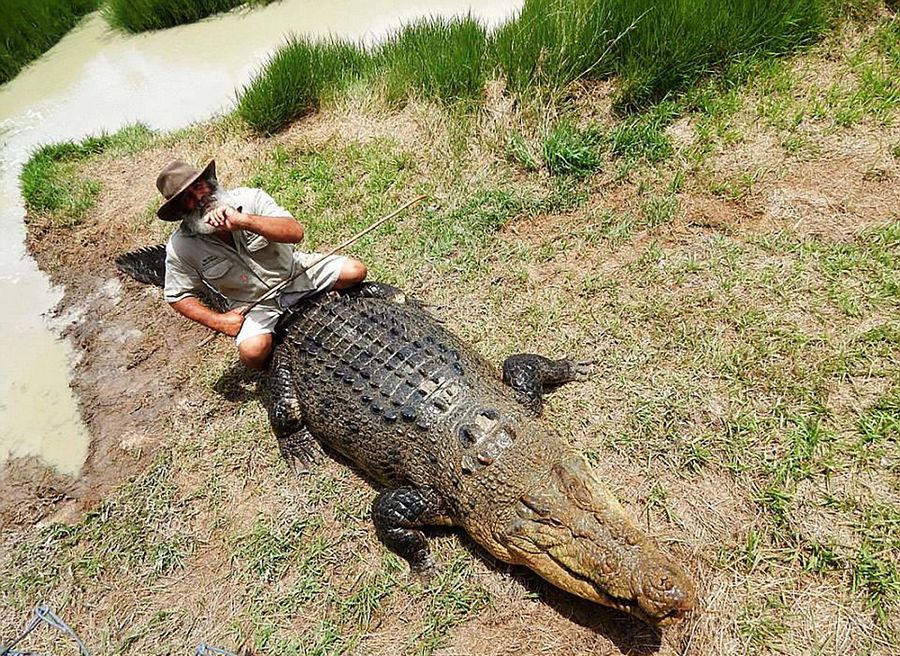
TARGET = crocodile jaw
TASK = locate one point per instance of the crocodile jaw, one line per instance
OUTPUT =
(576, 535)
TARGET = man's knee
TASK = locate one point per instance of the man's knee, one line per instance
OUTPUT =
(352, 273)
(255, 351)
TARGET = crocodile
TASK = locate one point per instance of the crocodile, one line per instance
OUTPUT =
(373, 376)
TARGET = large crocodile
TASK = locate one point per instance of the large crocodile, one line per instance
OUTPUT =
(379, 380)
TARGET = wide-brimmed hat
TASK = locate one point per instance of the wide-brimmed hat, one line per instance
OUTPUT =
(174, 179)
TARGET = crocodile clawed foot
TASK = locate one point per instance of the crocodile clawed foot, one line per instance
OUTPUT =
(302, 459)
(581, 369)
(424, 573)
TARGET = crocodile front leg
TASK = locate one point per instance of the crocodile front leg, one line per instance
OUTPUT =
(298, 447)
(398, 514)
(529, 375)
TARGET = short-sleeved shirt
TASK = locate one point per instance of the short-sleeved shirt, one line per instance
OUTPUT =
(241, 274)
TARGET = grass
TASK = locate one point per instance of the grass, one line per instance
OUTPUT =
(336, 190)
(297, 78)
(552, 43)
(31, 27)
(144, 15)
(48, 186)
(656, 50)
(745, 405)
(570, 151)
(643, 135)
(669, 50)
(433, 58)
(141, 532)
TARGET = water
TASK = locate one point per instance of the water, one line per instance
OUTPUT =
(98, 80)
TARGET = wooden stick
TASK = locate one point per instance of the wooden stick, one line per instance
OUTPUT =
(283, 284)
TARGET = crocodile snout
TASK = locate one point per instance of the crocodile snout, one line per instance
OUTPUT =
(663, 592)
(575, 534)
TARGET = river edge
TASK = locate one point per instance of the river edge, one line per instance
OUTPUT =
(157, 369)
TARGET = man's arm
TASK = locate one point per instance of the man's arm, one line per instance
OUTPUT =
(224, 322)
(282, 229)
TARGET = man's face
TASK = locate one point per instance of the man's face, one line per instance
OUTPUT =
(197, 196)
(195, 201)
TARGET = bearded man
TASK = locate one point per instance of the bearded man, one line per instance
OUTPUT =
(238, 242)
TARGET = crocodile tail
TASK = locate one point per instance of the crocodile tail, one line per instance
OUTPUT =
(146, 265)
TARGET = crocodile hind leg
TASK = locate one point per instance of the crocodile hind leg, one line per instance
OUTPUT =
(297, 445)
(530, 374)
(399, 514)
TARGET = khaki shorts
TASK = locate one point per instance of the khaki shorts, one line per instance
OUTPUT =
(262, 319)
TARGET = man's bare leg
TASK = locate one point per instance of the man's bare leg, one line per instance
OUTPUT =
(352, 273)
(255, 351)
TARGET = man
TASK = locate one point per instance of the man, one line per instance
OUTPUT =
(237, 242)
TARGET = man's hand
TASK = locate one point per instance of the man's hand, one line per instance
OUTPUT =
(283, 229)
(225, 217)
(230, 322)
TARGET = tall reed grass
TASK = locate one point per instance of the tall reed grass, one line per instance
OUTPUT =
(655, 48)
(296, 79)
(674, 43)
(28, 28)
(434, 58)
(144, 15)
(552, 43)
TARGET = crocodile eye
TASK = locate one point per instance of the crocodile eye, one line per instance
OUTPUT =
(537, 505)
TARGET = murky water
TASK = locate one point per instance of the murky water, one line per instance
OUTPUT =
(97, 80)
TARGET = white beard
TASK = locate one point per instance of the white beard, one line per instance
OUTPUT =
(192, 222)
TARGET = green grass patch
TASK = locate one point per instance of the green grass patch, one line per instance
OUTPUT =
(267, 549)
(297, 78)
(674, 44)
(520, 151)
(657, 49)
(140, 531)
(338, 190)
(31, 27)
(876, 92)
(434, 58)
(643, 136)
(571, 151)
(145, 15)
(553, 43)
(51, 183)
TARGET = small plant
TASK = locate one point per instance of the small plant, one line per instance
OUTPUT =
(643, 135)
(570, 151)
(659, 210)
(521, 151)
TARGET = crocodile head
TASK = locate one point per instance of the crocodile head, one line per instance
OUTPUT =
(576, 535)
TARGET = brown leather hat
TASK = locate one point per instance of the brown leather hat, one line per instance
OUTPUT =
(175, 178)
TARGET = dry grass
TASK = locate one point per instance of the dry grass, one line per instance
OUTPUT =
(739, 296)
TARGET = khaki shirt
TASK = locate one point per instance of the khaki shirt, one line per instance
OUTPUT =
(241, 274)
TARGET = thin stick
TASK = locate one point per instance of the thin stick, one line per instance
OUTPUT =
(283, 284)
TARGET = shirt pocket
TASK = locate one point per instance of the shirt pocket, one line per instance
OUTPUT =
(256, 242)
(215, 269)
